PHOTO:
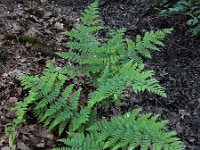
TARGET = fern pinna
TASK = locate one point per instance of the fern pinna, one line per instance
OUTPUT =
(130, 131)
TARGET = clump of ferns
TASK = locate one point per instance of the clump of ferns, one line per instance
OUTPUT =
(109, 67)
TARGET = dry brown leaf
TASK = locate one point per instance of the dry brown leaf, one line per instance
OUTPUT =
(59, 26)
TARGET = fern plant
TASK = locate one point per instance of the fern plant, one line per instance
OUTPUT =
(91, 57)
(130, 131)
(112, 65)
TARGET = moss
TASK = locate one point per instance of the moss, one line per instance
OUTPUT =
(1, 68)
(28, 38)
(45, 50)
(9, 35)
(38, 44)
(23, 24)
(3, 54)
(7, 43)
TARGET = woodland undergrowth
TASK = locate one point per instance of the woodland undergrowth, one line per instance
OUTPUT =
(108, 67)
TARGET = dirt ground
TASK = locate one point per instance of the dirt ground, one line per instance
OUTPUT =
(177, 65)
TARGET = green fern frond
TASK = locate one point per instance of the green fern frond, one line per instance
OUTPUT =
(112, 65)
(90, 16)
(83, 42)
(20, 109)
(129, 76)
(150, 41)
(71, 71)
(78, 141)
(74, 57)
(135, 131)
(130, 131)
(37, 90)
(92, 55)
(57, 107)
(52, 104)
(60, 109)
(80, 119)
(28, 81)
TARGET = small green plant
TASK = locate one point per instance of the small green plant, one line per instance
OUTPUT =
(30, 39)
(37, 44)
(189, 7)
(4, 55)
(24, 24)
(108, 67)
(1, 67)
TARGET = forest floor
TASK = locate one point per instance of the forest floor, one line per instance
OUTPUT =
(31, 33)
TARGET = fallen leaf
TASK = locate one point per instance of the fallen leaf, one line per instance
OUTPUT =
(2, 37)
(12, 100)
(22, 146)
(59, 26)
(5, 148)
(3, 140)
(47, 15)
(35, 19)
(16, 27)
(40, 145)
